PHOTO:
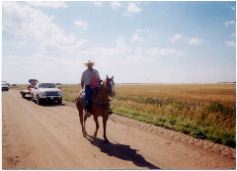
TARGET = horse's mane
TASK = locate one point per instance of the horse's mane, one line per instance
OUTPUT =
(102, 93)
(102, 96)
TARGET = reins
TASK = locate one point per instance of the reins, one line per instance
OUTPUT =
(102, 96)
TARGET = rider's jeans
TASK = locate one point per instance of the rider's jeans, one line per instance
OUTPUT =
(88, 95)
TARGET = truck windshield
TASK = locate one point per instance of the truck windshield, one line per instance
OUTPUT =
(47, 85)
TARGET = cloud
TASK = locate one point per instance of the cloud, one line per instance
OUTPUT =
(81, 24)
(195, 41)
(119, 49)
(39, 66)
(143, 30)
(163, 52)
(142, 35)
(123, 51)
(25, 23)
(136, 38)
(47, 4)
(98, 3)
(115, 5)
(177, 37)
(232, 35)
(132, 8)
(230, 43)
(229, 23)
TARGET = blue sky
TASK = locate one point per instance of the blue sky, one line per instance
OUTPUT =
(147, 42)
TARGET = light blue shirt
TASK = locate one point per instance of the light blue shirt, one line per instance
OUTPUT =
(87, 75)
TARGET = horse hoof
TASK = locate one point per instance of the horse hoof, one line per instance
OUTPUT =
(84, 134)
(106, 141)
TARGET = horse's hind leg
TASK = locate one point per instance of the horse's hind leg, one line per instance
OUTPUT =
(105, 118)
(81, 119)
(80, 110)
(97, 125)
(85, 118)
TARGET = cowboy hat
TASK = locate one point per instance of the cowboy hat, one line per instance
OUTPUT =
(89, 62)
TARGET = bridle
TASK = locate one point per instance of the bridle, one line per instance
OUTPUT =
(110, 86)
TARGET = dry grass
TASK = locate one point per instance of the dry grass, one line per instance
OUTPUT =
(70, 92)
(224, 93)
(203, 111)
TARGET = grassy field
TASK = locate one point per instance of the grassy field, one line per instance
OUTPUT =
(205, 111)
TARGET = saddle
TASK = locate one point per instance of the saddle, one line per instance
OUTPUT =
(94, 100)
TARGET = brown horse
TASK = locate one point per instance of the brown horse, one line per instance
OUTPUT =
(99, 107)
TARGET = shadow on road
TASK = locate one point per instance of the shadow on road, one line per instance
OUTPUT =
(51, 104)
(28, 98)
(46, 103)
(124, 152)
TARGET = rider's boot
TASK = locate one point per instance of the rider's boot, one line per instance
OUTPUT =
(88, 114)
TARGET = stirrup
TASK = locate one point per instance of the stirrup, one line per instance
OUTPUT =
(87, 113)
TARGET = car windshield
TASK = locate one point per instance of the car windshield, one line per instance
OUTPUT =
(47, 85)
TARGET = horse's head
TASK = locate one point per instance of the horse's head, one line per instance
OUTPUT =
(109, 84)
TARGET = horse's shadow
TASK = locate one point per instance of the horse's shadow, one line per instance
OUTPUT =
(124, 152)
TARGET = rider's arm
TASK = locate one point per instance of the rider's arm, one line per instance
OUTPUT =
(98, 75)
(82, 84)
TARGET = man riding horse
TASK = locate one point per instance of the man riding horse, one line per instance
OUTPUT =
(97, 103)
(90, 81)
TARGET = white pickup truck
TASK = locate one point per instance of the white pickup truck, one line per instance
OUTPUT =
(46, 92)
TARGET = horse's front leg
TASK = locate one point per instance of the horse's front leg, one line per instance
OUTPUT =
(105, 118)
(96, 124)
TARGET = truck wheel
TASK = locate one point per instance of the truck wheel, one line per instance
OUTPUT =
(32, 99)
(38, 100)
(23, 95)
(60, 101)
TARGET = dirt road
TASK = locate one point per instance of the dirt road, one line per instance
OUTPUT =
(49, 137)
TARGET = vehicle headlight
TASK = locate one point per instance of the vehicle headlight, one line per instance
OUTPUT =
(60, 93)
